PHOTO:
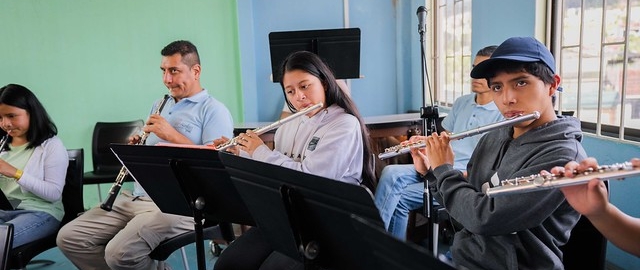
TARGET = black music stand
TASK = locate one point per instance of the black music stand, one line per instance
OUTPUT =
(391, 253)
(339, 48)
(304, 216)
(185, 181)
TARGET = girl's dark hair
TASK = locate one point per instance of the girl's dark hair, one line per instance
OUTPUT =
(312, 64)
(41, 127)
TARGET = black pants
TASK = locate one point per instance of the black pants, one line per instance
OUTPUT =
(251, 251)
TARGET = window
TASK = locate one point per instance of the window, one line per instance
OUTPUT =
(452, 51)
(599, 62)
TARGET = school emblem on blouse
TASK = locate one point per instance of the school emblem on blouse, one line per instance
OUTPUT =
(313, 143)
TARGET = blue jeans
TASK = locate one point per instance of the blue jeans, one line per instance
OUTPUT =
(29, 225)
(399, 191)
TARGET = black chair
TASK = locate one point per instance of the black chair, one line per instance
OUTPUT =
(6, 239)
(73, 203)
(105, 164)
(211, 230)
(586, 248)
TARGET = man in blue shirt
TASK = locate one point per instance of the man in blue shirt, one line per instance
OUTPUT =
(124, 237)
(401, 188)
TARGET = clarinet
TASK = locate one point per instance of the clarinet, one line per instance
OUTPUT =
(115, 188)
(3, 142)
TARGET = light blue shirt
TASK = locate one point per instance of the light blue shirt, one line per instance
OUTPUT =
(201, 118)
(466, 114)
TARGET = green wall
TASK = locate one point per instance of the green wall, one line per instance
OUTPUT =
(90, 61)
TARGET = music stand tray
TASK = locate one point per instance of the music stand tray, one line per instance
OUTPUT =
(304, 216)
(185, 181)
(198, 170)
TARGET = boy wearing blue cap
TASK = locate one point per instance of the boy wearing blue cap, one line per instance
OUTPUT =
(510, 232)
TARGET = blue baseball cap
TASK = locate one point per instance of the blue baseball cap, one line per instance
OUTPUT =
(519, 49)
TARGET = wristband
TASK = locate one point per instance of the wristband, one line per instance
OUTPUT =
(18, 174)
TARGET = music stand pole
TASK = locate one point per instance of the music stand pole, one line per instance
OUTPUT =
(429, 115)
(197, 205)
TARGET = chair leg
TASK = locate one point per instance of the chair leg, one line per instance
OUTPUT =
(434, 235)
(185, 262)
(99, 193)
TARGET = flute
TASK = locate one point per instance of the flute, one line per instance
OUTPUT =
(406, 148)
(260, 131)
(537, 182)
(122, 175)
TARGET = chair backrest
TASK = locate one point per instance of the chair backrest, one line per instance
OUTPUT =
(72, 194)
(586, 248)
(6, 239)
(105, 133)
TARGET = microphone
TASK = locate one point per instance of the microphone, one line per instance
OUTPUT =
(422, 18)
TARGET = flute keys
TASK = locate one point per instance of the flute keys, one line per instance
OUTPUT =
(539, 180)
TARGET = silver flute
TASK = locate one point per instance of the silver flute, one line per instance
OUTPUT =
(122, 175)
(406, 148)
(261, 130)
(537, 182)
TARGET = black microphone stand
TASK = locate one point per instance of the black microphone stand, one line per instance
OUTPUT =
(429, 115)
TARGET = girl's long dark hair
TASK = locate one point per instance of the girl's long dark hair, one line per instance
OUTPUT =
(312, 64)
(41, 127)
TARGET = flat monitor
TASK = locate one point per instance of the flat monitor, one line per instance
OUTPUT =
(339, 48)
(298, 211)
(175, 176)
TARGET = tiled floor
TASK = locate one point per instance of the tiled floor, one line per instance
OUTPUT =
(60, 262)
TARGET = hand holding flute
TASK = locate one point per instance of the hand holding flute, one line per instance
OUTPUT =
(571, 175)
(247, 142)
(437, 150)
(250, 141)
(404, 148)
(591, 200)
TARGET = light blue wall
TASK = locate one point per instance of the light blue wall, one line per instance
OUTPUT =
(386, 87)
(493, 21)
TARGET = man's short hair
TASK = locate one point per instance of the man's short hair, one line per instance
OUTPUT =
(186, 49)
(487, 51)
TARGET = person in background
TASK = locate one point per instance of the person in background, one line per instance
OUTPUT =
(33, 166)
(124, 237)
(592, 200)
(401, 188)
(509, 232)
(331, 142)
